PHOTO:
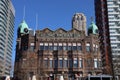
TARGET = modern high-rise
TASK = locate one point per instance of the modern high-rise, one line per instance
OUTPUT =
(108, 22)
(7, 15)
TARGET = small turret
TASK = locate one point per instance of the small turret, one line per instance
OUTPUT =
(23, 28)
(93, 29)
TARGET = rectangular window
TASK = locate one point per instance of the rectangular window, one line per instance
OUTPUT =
(50, 46)
(96, 48)
(55, 63)
(74, 47)
(88, 47)
(64, 47)
(69, 47)
(60, 48)
(75, 63)
(95, 63)
(60, 62)
(46, 47)
(55, 48)
(70, 63)
(79, 47)
(31, 48)
(65, 63)
(99, 63)
(80, 63)
(51, 63)
(41, 46)
(45, 62)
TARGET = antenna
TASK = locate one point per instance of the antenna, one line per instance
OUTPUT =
(24, 13)
(36, 21)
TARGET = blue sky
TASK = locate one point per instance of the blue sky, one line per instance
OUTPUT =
(51, 13)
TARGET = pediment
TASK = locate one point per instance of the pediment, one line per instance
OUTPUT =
(74, 31)
(47, 30)
(60, 30)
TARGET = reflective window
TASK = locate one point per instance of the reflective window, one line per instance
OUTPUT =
(96, 48)
(64, 47)
(95, 63)
(69, 47)
(75, 63)
(65, 63)
(46, 47)
(45, 62)
(50, 47)
(80, 63)
(55, 48)
(51, 63)
(31, 48)
(55, 63)
(60, 48)
(79, 48)
(41, 47)
(74, 47)
(88, 47)
(70, 63)
(60, 62)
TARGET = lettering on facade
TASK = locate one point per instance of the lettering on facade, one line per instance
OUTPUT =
(60, 35)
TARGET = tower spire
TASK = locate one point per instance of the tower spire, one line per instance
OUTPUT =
(36, 21)
(24, 13)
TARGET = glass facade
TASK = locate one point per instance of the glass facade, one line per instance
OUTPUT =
(114, 29)
(7, 15)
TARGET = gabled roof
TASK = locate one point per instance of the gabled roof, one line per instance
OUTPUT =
(60, 30)
(47, 30)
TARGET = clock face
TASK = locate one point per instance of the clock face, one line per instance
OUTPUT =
(25, 30)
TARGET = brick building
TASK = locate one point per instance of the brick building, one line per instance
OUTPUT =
(57, 54)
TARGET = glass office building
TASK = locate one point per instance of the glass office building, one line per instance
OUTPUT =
(7, 15)
(108, 22)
